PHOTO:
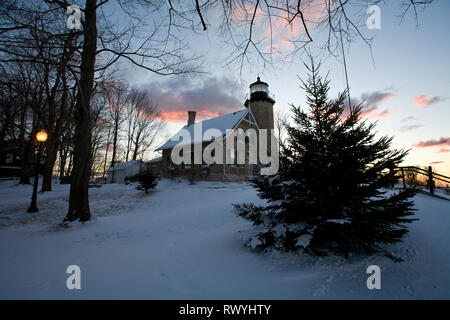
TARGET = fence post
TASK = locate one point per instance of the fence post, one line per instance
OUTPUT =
(403, 178)
(430, 180)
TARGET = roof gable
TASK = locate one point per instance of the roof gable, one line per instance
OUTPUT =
(222, 123)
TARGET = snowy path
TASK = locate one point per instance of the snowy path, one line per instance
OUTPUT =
(183, 242)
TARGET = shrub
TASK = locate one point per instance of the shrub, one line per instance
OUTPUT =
(147, 181)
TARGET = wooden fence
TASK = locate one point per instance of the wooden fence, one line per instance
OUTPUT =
(431, 176)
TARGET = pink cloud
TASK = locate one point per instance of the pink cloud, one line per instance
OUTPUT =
(425, 101)
(443, 150)
(442, 142)
(436, 162)
(374, 113)
(181, 116)
(370, 105)
(274, 29)
(209, 97)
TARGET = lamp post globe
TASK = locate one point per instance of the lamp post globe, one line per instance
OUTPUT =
(41, 136)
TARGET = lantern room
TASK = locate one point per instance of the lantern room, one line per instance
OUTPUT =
(259, 90)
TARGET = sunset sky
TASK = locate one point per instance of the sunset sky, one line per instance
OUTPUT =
(405, 86)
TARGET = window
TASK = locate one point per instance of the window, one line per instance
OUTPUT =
(233, 156)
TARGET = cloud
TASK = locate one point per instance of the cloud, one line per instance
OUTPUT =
(436, 162)
(443, 150)
(370, 102)
(411, 127)
(210, 97)
(409, 119)
(373, 98)
(277, 32)
(281, 31)
(442, 142)
(425, 101)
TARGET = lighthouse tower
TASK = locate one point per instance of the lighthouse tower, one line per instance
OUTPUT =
(260, 103)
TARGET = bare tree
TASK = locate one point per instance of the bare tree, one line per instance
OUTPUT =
(116, 102)
(139, 43)
(143, 124)
(38, 46)
(254, 28)
(280, 122)
(106, 147)
(23, 84)
(65, 150)
(59, 108)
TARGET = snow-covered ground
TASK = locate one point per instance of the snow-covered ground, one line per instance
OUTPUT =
(184, 242)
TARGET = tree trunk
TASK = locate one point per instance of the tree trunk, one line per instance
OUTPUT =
(113, 160)
(62, 163)
(128, 150)
(69, 167)
(136, 147)
(28, 149)
(50, 159)
(135, 152)
(24, 150)
(28, 152)
(106, 153)
(56, 124)
(27, 163)
(79, 196)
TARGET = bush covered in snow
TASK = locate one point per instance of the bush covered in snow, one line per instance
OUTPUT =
(335, 188)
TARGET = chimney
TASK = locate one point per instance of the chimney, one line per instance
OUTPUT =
(191, 117)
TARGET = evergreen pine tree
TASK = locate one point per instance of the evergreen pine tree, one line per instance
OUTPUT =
(335, 188)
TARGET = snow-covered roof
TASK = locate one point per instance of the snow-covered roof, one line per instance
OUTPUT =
(154, 160)
(222, 123)
(126, 165)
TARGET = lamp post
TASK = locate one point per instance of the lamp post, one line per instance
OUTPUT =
(41, 137)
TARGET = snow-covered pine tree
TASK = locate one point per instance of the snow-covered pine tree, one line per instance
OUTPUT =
(335, 188)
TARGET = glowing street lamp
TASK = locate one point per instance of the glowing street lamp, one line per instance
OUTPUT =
(41, 137)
